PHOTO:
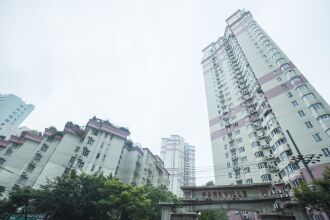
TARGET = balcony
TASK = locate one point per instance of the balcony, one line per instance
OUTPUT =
(325, 124)
(266, 146)
(236, 167)
(273, 168)
(269, 157)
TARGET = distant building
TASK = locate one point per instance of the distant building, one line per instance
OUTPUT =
(13, 111)
(179, 160)
(32, 158)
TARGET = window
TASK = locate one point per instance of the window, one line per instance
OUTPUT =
(72, 159)
(262, 165)
(77, 149)
(266, 178)
(284, 87)
(309, 97)
(289, 94)
(90, 140)
(308, 124)
(227, 155)
(323, 118)
(301, 113)
(97, 155)
(44, 147)
(247, 170)
(80, 164)
(326, 152)
(241, 149)
(255, 144)
(228, 164)
(50, 139)
(237, 132)
(249, 181)
(22, 179)
(294, 103)
(2, 160)
(302, 89)
(259, 154)
(85, 152)
(30, 168)
(279, 79)
(316, 107)
(295, 81)
(9, 151)
(285, 67)
(317, 137)
(280, 61)
(276, 55)
(37, 157)
(244, 159)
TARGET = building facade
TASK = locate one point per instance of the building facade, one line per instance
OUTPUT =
(13, 111)
(255, 94)
(179, 160)
(32, 158)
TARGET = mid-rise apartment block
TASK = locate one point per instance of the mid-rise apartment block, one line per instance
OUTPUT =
(32, 158)
(13, 111)
(255, 94)
(179, 160)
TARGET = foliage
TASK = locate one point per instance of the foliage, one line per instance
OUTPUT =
(210, 215)
(88, 197)
(157, 195)
(315, 197)
(210, 183)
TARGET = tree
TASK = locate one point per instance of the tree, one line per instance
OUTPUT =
(213, 215)
(125, 201)
(315, 197)
(92, 197)
(157, 195)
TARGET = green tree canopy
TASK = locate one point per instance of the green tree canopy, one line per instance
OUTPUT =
(315, 197)
(88, 197)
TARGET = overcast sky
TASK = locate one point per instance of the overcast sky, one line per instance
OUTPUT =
(137, 63)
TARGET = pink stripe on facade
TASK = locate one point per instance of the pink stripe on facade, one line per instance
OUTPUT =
(273, 74)
(222, 132)
(4, 143)
(72, 129)
(115, 131)
(33, 137)
(317, 171)
(16, 139)
(49, 132)
(218, 119)
(278, 90)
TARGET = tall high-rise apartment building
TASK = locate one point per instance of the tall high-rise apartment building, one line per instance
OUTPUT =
(13, 111)
(254, 95)
(179, 160)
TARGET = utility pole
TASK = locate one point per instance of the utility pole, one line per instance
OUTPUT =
(304, 159)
